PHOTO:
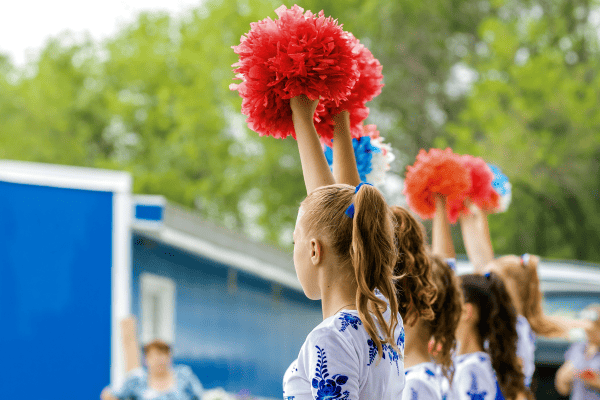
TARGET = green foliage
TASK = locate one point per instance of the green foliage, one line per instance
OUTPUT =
(154, 100)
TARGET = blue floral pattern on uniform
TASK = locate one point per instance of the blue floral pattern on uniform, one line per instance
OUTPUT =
(473, 393)
(349, 320)
(414, 395)
(386, 348)
(328, 388)
(401, 338)
(499, 395)
(429, 373)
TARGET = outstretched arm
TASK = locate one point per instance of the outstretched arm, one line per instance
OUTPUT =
(344, 162)
(476, 237)
(441, 240)
(131, 350)
(563, 380)
(314, 165)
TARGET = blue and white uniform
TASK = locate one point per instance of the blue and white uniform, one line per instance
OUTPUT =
(576, 354)
(474, 378)
(187, 386)
(526, 348)
(339, 360)
(422, 382)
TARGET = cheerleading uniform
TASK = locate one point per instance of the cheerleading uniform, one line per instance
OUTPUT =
(475, 379)
(187, 386)
(339, 360)
(576, 355)
(422, 382)
(526, 348)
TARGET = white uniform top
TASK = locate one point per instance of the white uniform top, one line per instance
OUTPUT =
(526, 348)
(474, 378)
(338, 360)
(423, 382)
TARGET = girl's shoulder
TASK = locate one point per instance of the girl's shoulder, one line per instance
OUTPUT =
(344, 327)
(422, 382)
(474, 376)
(472, 359)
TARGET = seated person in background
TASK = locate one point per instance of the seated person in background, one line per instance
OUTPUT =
(160, 381)
(579, 376)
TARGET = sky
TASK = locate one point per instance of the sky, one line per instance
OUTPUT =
(25, 25)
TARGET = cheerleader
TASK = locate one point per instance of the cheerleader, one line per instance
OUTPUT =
(487, 366)
(520, 277)
(426, 374)
(579, 376)
(344, 255)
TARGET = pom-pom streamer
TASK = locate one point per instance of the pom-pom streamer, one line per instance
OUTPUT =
(299, 53)
(481, 192)
(373, 157)
(435, 172)
(367, 87)
(503, 187)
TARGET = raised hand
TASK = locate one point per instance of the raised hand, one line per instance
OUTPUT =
(344, 161)
(314, 165)
(303, 108)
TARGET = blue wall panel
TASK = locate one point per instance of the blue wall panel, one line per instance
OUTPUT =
(55, 296)
(242, 339)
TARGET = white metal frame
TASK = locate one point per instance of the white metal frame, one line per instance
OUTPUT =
(120, 184)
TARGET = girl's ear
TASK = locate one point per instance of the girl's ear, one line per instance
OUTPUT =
(316, 251)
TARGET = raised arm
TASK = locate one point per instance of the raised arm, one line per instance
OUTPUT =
(344, 162)
(476, 237)
(131, 349)
(563, 380)
(314, 165)
(441, 240)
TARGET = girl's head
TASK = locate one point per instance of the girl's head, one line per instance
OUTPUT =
(158, 356)
(447, 308)
(350, 250)
(489, 313)
(592, 329)
(415, 291)
(523, 284)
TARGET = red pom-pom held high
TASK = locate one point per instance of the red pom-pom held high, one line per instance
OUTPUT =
(367, 87)
(434, 172)
(481, 193)
(299, 53)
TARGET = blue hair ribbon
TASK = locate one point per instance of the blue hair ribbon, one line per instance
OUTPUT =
(350, 210)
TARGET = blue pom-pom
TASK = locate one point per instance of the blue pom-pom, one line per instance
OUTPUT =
(502, 186)
(363, 152)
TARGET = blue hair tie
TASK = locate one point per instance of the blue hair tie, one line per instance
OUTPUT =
(488, 275)
(350, 210)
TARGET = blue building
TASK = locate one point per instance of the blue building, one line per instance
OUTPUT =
(78, 253)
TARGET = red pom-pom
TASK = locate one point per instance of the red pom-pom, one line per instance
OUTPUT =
(366, 89)
(437, 171)
(299, 53)
(481, 193)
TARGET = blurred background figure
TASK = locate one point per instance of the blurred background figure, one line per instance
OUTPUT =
(579, 376)
(160, 380)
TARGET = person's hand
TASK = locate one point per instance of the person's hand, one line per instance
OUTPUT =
(303, 107)
(107, 395)
(591, 378)
(341, 118)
